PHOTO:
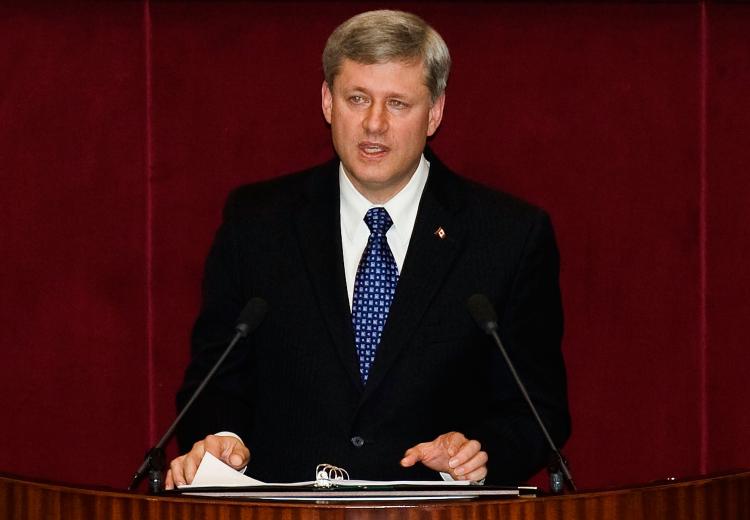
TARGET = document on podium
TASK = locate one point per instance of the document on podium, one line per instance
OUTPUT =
(216, 479)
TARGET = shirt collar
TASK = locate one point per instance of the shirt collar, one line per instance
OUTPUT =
(402, 207)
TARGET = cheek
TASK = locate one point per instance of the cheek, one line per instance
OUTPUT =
(343, 138)
(345, 123)
(415, 134)
(341, 132)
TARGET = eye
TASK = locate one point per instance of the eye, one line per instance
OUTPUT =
(397, 104)
(357, 99)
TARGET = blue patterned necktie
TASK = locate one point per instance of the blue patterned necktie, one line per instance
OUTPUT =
(374, 287)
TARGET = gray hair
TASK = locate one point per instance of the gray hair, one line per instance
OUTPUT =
(383, 36)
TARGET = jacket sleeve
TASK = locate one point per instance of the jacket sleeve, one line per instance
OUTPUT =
(224, 404)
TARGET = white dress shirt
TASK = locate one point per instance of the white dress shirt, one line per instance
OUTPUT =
(402, 208)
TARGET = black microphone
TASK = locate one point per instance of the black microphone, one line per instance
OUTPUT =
(484, 314)
(154, 463)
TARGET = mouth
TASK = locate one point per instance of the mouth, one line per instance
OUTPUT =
(373, 150)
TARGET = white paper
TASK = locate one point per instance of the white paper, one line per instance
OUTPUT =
(212, 472)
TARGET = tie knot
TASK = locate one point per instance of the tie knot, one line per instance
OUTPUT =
(378, 220)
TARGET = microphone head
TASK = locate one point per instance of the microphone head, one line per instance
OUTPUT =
(251, 316)
(483, 312)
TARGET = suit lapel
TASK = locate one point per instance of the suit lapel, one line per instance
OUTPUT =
(428, 261)
(319, 234)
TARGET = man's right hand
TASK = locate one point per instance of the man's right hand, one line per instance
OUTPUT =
(230, 450)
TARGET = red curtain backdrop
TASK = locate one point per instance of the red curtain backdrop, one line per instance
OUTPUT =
(123, 125)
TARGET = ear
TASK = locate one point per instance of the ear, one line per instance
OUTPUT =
(326, 101)
(435, 115)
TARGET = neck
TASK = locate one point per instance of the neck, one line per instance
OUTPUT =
(380, 193)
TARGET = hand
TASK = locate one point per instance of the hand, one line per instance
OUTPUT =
(450, 453)
(230, 450)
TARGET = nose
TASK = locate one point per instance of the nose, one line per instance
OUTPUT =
(376, 119)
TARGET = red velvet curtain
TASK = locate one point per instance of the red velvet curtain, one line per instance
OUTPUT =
(124, 124)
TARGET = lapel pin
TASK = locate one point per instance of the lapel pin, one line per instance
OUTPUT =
(440, 233)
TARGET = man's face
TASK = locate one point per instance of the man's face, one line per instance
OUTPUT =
(380, 116)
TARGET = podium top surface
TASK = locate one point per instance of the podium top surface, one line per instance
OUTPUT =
(724, 496)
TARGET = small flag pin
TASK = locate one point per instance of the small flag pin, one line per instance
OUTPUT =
(440, 233)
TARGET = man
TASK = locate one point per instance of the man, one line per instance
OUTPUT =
(368, 358)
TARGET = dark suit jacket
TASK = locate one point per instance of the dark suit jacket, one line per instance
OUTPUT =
(292, 390)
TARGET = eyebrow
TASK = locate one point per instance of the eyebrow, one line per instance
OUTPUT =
(387, 94)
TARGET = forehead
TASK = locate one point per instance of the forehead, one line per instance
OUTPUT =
(403, 77)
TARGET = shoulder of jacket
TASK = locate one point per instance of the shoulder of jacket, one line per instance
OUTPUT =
(277, 195)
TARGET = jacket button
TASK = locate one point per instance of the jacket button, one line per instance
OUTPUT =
(358, 441)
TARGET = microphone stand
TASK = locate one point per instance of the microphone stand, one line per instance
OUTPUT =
(558, 467)
(484, 315)
(154, 462)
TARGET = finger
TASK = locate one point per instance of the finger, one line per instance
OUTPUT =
(476, 475)
(168, 482)
(214, 444)
(228, 449)
(464, 453)
(175, 467)
(451, 442)
(190, 465)
(474, 463)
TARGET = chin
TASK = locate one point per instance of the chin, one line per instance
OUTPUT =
(374, 176)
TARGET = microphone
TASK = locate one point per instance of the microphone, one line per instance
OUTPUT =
(251, 316)
(484, 315)
(154, 463)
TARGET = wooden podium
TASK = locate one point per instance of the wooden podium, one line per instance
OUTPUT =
(724, 497)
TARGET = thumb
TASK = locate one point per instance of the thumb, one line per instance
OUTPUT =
(230, 450)
(237, 459)
(234, 453)
(413, 455)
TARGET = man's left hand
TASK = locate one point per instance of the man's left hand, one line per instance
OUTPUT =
(450, 453)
